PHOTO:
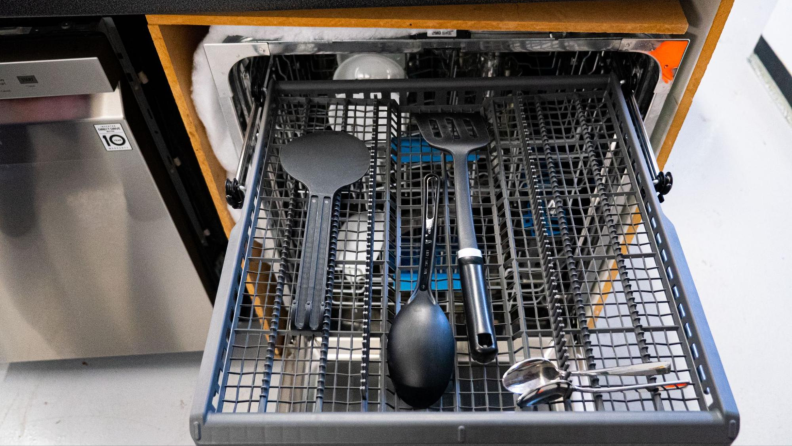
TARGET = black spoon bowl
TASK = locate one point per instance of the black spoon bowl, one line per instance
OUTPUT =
(421, 345)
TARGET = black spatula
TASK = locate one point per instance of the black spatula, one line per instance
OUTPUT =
(324, 162)
(459, 134)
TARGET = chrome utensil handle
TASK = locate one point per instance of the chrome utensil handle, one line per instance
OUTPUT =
(430, 190)
(309, 302)
(561, 389)
(670, 385)
(478, 308)
(645, 369)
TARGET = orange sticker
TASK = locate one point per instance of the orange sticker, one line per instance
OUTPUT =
(669, 55)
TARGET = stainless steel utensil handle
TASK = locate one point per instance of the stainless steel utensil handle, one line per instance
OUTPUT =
(645, 369)
(430, 190)
(670, 385)
(309, 300)
(478, 308)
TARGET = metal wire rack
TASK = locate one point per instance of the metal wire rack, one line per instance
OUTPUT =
(575, 257)
(640, 70)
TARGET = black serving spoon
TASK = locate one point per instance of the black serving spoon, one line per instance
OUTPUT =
(421, 346)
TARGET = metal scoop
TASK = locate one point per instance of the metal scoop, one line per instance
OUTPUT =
(538, 380)
(324, 162)
(459, 134)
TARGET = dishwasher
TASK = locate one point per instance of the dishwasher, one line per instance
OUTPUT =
(581, 266)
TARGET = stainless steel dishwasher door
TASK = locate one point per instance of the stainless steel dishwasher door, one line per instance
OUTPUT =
(91, 262)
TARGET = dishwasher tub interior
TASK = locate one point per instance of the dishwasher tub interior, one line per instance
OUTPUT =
(646, 64)
(581, 264)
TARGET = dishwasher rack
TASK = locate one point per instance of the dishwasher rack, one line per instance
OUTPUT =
(582, 268)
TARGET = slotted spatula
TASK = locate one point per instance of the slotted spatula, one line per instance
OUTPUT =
(459, 134)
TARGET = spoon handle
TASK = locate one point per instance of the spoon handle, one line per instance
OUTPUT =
(309, 304)
(430, 191)
(644, 369)
(670, 385)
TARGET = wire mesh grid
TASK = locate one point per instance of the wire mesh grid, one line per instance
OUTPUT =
(589, 293)
(572, 267)
(453, 63)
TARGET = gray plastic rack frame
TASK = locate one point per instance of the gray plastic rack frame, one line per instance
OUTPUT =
(598, 278)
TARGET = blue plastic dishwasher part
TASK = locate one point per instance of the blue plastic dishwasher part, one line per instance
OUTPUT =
(416, 150)
(528, 223)
(439, 282)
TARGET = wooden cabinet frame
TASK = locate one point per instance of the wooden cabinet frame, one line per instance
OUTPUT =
(176, 38)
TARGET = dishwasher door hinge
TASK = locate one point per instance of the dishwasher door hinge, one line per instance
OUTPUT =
(260, 90)
(662, 181)
(662, 184)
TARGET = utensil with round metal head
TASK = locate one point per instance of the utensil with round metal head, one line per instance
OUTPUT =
(538, 380)
(534, 372)
(560, 388)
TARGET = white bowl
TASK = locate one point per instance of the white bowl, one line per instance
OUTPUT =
(364, 67)
(369, 66)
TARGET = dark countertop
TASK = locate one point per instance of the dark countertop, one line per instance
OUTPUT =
(64, 8)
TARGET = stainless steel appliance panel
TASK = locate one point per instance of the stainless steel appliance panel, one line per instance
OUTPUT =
(60, 77)
(91, 263)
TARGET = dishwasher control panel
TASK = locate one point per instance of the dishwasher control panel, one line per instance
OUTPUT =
(52, 77)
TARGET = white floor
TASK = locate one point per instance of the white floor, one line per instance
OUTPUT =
(732, 164)
(730, 205)
(108, 401)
